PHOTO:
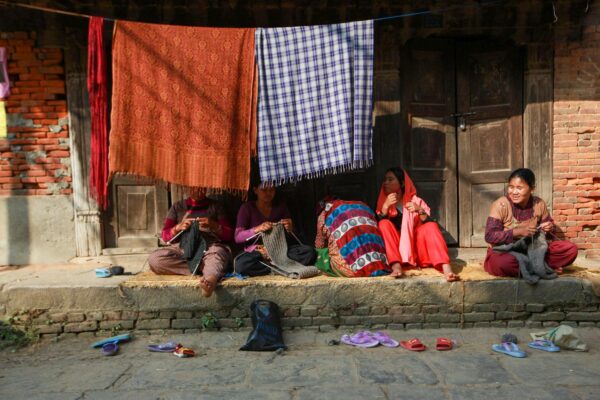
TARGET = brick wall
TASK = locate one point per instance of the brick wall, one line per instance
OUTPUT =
(34, 159)
(576, 183)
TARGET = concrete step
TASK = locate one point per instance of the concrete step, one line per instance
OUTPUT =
(69, 299)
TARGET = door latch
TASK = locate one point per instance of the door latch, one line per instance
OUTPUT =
(462, 121)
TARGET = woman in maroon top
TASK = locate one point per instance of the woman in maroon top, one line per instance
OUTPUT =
(520, 214)
(258, 216)
(215, 230)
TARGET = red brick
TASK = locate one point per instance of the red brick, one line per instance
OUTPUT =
(59, 153)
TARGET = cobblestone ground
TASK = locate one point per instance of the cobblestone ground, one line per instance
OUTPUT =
(310, 369)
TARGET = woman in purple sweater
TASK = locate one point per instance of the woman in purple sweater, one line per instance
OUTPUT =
(258, 216)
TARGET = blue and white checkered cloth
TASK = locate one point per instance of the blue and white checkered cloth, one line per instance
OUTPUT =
(315, 100)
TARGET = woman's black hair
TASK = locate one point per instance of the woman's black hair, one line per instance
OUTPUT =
(525, 174)
(399, 173)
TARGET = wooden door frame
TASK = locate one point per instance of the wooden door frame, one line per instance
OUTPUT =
(537, 113)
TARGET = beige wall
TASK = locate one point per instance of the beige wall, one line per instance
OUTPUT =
(36, 230)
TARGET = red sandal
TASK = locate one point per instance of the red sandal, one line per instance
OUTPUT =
(413, 345)
(183, 352)
(443, 344)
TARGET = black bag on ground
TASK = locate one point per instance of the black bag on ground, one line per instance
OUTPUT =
(266, 335)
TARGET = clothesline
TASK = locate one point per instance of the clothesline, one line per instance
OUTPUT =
(379, 19)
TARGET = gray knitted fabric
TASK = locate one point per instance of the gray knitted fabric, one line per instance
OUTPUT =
(276, 245)
(530, 254)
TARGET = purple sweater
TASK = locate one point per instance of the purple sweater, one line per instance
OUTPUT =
(249, 218)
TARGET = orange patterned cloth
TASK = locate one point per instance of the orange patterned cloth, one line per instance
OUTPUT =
(184, 104)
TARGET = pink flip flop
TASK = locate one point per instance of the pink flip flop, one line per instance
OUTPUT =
(360, 339)
(385, 340)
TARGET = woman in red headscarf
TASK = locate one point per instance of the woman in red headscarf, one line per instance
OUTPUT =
(410, 241)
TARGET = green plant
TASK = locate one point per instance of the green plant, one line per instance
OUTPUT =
(209, 321)
(12, 336)
(114, 331)
(239, 322)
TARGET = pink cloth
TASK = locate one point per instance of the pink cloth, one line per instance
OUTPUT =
(4, 83)
(410, 220)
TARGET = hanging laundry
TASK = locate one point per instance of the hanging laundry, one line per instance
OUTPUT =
(3, 122)
(4, 91)
(4, 82)
(98, 96)
(315, 100)
(184, 103)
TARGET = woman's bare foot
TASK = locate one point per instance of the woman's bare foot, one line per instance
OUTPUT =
(559, 271)
(396, 270)
(449, 274)
(208, 285)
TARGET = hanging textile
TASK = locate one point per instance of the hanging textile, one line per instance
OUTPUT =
(315, 100)
(4, 91)
(183, 104)
(98, 95)
(3, 122)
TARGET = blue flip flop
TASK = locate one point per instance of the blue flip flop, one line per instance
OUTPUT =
(115, 339)
(103, 273)
(110, 349)
(510, 349)
(545, 345)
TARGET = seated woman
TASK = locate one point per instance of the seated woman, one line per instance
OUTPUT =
(257, 216)
(214, 228)
(410, 240)
(348, 229)
(520, 214)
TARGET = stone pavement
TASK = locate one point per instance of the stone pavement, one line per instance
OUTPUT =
(310, 369)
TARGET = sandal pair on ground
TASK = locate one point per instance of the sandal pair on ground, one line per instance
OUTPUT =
(511, 349)
(369, 339)
(172, 347)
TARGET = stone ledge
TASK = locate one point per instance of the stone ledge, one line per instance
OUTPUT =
(352, 303)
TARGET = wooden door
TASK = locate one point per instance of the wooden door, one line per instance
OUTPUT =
(429, 135)
(490, 139)
(136, 214)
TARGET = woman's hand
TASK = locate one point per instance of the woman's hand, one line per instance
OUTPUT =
(412, 207)
(287, 224)
(182, 226)
(208, 224)
(390, 201)
(524, 230)
(264, 227)
(547, 226)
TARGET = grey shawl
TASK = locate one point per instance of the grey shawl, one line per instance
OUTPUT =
(530, 254)
(276, 245)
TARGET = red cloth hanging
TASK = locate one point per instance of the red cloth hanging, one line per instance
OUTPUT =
(97, 91)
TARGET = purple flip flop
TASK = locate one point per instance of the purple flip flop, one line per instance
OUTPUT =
(110, 349)
(385, 340)
(360, 339)
(168, 347)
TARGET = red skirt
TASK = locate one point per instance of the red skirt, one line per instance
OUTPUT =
(431, 249)
(560, 254)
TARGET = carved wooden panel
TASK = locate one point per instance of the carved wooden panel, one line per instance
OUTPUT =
(428, 143)
(491, 71)
(427, 73)
(490, 146)
(138, 209)
(482, 197)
